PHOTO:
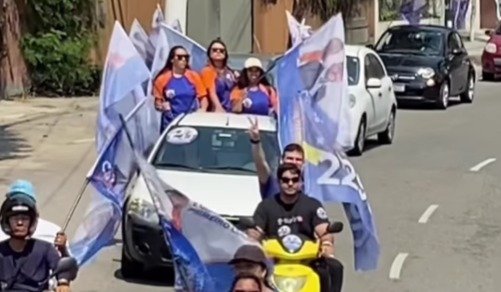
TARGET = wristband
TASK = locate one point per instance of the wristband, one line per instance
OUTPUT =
(255, 141)
(327, 243)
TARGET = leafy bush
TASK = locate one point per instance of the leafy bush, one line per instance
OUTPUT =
(58, 46)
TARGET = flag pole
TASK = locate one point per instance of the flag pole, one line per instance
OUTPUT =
(75, 204)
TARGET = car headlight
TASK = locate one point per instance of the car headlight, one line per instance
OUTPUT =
(426, 73)
(289, 284)
(352, 100)
(491, 48)
(144, 209)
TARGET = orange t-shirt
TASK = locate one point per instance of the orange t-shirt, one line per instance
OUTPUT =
(238, 95)
(163, 79)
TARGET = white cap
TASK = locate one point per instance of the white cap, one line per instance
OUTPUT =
(253, 62)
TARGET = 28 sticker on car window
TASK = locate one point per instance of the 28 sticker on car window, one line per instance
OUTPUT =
(182, 135)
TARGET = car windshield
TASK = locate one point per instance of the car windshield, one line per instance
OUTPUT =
(352, 65)
(213, 150)
(419, 42)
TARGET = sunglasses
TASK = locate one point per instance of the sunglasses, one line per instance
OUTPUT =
(218, 50)
(287, 180)
(182, 57)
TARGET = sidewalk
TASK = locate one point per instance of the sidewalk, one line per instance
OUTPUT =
(19, 111)
(475, 48)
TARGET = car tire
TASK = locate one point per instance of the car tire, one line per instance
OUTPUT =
(129, 268)
(487, 76)
(358, 149)
(386, 137)
(443, 98)
(468, 95)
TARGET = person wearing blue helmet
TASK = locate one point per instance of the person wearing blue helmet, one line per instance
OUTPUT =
(25, 262)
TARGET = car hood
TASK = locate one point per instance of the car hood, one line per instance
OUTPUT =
(225, 194)
(394, 62)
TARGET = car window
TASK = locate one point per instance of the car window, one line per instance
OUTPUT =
(373, 68)
(411, 41)
(453, 42)
(459, 40)
(352, 66)
(213, 150)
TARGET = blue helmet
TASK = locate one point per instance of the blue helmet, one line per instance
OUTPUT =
(22, 188)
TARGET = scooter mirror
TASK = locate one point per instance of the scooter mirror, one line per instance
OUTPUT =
(335, 227)
(67, 267)
(247, 223)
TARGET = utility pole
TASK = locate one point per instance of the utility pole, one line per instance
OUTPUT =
(448, 14)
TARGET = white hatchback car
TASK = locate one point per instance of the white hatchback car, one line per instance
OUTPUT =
(208, 157)
(371, 96)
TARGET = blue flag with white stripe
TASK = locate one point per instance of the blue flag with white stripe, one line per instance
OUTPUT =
(312, 85)
(197, 52)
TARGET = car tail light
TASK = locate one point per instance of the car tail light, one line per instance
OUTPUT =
(491, 48)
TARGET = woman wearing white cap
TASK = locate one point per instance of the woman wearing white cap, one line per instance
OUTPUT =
(254, 93)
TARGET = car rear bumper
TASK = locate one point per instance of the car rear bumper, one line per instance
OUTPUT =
(491, 63)
(144, 242)
(418, 91)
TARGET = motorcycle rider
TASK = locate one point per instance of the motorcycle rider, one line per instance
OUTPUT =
(292, 212)
(25, 263)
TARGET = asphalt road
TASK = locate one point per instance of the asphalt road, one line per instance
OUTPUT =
(431, 166)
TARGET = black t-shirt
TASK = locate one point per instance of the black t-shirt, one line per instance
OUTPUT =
(278, 219)
(34, 264)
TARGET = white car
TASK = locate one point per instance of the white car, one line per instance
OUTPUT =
(371, 96)
(208, 157)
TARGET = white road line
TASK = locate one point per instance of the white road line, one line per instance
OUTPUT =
(427, 214)
(81, 141)
(396, 266)
(482, 164)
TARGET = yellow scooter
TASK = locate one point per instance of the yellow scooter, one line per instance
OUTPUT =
(292, 256)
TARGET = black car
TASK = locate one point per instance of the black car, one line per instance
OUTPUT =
(427, 63)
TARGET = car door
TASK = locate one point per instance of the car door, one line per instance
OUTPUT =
(465, 62)
(375, 93)
(381, 96)
(454, 65)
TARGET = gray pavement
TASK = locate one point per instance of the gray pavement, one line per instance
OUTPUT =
(429, 164)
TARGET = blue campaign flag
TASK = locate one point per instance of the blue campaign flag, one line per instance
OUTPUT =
(142, 43)
(110, 176)
(413, 10)
(198, 53)
(202, 242)
(124, 71)
(312, 84)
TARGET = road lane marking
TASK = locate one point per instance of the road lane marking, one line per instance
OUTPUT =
(396, 266)
(427, 214)
(482, 164)
(81, 141)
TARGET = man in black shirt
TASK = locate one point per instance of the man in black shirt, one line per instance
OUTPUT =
(292, 212)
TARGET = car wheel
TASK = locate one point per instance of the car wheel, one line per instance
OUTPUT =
(468, 95)
(130, 268)
(386, 137)
(360, 140)
(487, 76)
(443, 99)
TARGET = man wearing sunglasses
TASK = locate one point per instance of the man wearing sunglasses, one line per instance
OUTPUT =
(292, 212)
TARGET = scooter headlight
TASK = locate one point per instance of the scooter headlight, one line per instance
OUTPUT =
(289, 284)
(292, 243)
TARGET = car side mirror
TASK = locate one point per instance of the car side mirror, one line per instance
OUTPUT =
(370, 46)
(457, 52)
(374, 83)
(488, 32)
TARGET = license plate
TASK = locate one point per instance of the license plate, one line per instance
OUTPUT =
(399, 87)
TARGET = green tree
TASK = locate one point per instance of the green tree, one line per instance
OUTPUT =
(58, 46)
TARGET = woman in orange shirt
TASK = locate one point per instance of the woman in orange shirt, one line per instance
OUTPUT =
(177, 89)
(218, 78)
(254, 93)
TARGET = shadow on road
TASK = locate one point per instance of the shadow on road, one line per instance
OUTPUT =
(409, 105)
(157, 277)
(12, 146)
